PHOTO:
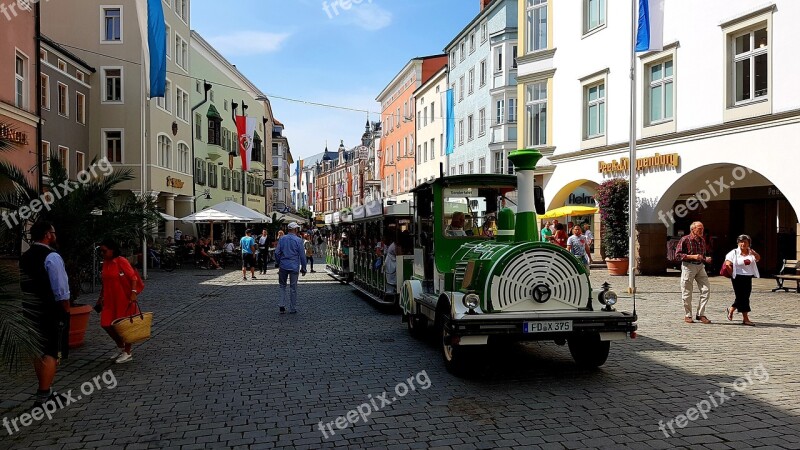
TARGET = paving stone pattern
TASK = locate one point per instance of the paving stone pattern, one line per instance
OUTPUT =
(225, 370)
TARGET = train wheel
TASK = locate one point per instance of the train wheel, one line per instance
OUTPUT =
(589, 351)
(455, 356)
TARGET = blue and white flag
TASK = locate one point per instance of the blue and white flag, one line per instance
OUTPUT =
(650, 26)
(153, 30)
(450, 124)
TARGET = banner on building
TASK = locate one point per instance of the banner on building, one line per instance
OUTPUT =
(650, 26)
(153, 30)
(246, 128)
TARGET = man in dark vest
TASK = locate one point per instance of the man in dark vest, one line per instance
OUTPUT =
(45, 281)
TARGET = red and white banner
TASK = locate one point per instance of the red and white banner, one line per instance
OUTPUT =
(246, 128)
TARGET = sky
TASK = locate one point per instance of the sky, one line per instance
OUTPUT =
(345, 57)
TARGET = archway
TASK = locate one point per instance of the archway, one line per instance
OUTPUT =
(580, 193)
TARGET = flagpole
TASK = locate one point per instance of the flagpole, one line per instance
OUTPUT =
(144, 161)
(632, 158)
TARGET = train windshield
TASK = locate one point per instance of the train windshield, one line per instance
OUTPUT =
(472, 211)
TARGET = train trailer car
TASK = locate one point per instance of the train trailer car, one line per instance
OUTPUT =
(482, 275)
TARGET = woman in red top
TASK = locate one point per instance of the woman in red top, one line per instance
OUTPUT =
(121, 285)
(560, 236)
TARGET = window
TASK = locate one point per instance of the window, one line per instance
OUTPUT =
(750, 65)
(80, 76)
(498, 59)
(452, 59)
(513, 56)
(483, 73)
(470, 167)
(536, 113)
(660, 96)
(182, 10)
(226, 179)
(45, 98)
(43, 55)
(80, 108)
(461, 48)
(199, 171)
(63, 100)
(536, 25)
(198, 126)
(112, 86)
(164, 151)
(21, 82)
(45, 149)
(481, 165)
(167, 37)
(225, 104)
(432, 114)
(237, 181)
(211, 95)
(212, 175)
(183, 157)
(472, 42)
(181, 52)
(63, 156)
(197, 86)
(425, 152)
(112, 20)
(461, 169)
(498, 162)
(433, 148)
(441, 144)
(182, 104)
(425, 117)
(484, 32)
(500, 108)
(80, 161)
(471, 81)
(481, 121)
(62, 66)
(419, 120)
(470, 128)
(461, 132)
(113, 144)
(595, 110)
(165, 102)
(594, 13)
(461, 88)
(214, 132)
(512, 110)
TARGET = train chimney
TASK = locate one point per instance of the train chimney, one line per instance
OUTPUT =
(524, 162)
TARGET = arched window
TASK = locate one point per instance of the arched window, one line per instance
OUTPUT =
(164, 151)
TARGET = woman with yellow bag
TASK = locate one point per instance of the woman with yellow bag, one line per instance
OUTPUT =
(121, 285)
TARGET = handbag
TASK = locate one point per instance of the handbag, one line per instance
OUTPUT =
(135, 328)
(726, 271)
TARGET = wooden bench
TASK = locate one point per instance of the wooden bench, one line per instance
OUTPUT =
(789, 271)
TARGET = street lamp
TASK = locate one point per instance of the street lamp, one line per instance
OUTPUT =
(95, 212)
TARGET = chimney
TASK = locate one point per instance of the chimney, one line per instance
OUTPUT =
(485, 3)
(525, 228)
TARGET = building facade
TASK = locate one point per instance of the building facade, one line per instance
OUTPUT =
(716, 155)
(430, 126)
(65, 88)
(131, 131)
(483, 77)
(216, 163)
(398, 117)
(281, 170)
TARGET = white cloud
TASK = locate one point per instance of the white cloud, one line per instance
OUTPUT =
(366, 15)
(247, 43)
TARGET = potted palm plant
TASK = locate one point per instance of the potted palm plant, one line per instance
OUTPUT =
(612, 200)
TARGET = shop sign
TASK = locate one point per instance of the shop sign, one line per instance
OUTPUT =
(650, 162)
(17, 137)
(580, 197)
(177, 183)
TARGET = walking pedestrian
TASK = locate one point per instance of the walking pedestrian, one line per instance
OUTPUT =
(560, 236)
(589, 237)
(578, 245)
(47, 306)
(118, 294)
(692, 251)
(547, 233)
(309, 248)
(290, 256)
(248, 245)
(743, 262)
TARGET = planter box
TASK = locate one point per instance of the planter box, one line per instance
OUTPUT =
(78, 322)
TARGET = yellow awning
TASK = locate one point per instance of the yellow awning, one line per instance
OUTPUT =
(570, 210)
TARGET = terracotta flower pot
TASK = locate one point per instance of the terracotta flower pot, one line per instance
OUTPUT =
(78, 322)
(617, 266)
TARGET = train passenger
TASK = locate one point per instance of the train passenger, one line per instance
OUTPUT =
(456, 227)
(390, 265)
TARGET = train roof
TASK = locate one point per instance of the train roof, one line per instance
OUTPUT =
(482, 179)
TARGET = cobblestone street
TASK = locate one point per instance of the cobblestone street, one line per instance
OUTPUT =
(224, 369)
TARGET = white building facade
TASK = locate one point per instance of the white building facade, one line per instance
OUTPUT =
(430, 126)
(717, 119)
(482, 74)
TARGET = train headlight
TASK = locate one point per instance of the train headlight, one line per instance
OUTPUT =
(609, 298)
(472, 301)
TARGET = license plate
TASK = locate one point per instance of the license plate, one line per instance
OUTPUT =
(553, 326)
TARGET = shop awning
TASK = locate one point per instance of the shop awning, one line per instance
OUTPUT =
(569, 210)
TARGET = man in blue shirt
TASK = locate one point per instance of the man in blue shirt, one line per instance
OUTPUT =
(248, 245)
(290, 256)
(47, 304)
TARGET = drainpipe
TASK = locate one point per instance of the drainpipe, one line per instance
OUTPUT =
(206, 87)
(38, 18)
(525, 162)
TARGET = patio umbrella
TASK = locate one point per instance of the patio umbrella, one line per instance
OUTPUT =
(239, 210)
(212, 215)
(168, 217)
(569, 210)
